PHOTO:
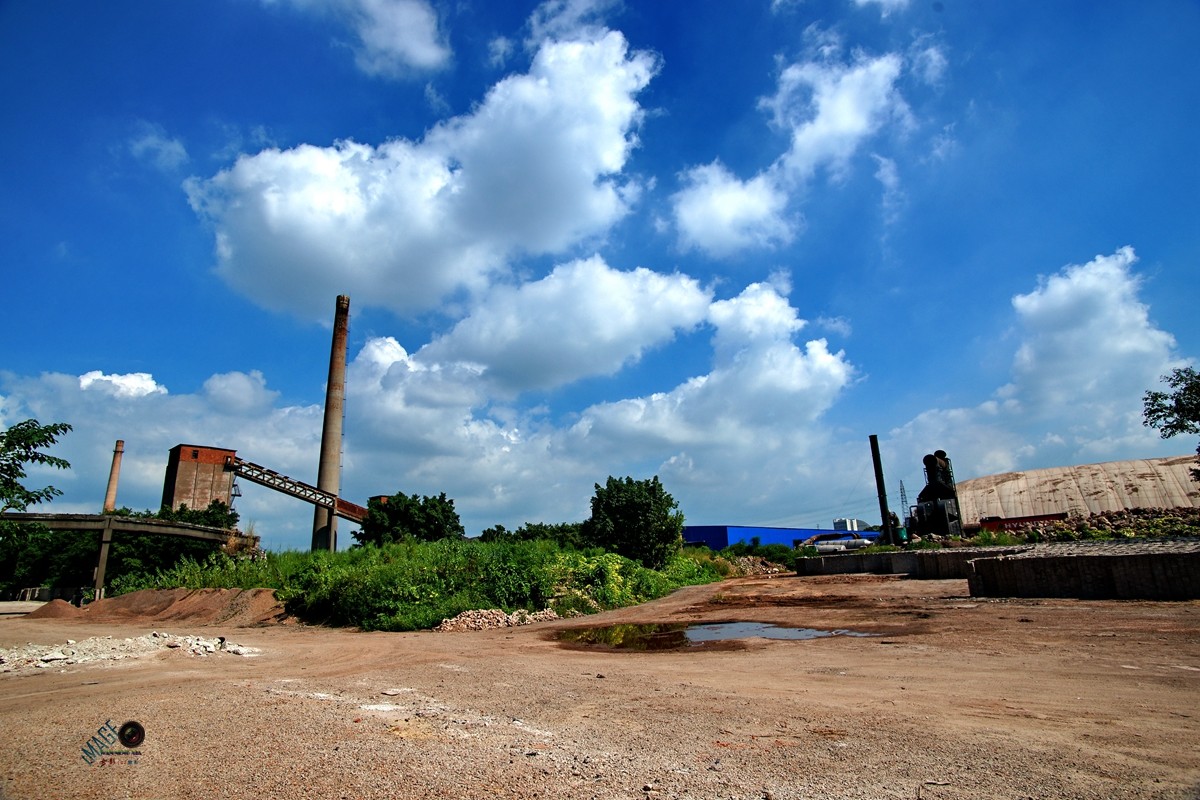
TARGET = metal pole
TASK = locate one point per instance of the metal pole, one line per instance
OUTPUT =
(889, 535)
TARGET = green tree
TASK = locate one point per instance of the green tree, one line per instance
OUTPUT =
(1176, 411)
(564, 534)
(498, 533)
(428, 519)
(635, 519)
(26, 550)
(20, 445)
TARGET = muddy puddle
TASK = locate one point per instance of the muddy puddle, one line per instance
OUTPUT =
(679, 635)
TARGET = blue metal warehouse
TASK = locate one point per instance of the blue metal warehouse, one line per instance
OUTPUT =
(718, 537)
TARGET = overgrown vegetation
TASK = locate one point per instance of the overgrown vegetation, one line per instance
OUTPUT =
(410, 585)
(564, 534)
(33, 555)
(775, 553)
(402, 516)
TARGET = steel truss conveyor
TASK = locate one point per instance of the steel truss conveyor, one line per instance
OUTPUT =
(282, 483)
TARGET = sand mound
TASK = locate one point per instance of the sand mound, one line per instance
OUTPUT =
(55, 609)
(236, 607)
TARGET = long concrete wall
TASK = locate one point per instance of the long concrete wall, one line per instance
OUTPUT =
(1146, 576)
(1145, 570)
(921, 564)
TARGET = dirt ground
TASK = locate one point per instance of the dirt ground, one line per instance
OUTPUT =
(953, 697)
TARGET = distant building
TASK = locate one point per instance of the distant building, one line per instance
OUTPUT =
(718, 537)
(198, 475)
(844, 524)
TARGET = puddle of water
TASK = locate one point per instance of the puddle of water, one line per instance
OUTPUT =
(676, 635)
(631, 637)
(743, 630)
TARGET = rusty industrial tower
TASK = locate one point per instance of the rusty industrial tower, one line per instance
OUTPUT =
(197, 475)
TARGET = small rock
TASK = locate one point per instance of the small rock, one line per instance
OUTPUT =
(241, 650)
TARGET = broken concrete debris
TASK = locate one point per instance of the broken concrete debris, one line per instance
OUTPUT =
(488, 618)
(32, 657)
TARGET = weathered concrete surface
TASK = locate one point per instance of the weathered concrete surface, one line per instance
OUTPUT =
(1159, 569)
(950, 563)
(1082, 490)
(952, 699)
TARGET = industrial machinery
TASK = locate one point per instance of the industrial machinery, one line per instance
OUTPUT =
(936, 512)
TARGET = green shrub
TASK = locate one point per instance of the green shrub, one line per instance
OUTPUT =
(775, 553)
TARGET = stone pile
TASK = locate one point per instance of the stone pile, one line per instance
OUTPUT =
(486, 619)
(1131, 523)
(33, 657)
(757, 565)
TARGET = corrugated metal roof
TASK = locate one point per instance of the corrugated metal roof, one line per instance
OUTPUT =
(1082, 490)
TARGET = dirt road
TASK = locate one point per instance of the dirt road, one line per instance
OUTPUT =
(952, 698)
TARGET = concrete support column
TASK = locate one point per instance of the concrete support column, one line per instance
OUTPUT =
(106, 538)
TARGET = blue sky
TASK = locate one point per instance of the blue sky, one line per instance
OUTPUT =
(718, 242)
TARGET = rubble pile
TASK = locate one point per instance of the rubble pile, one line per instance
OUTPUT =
(485, 619)
(1131, 523)
(757, 565)
(33, 657)
(1136, 522)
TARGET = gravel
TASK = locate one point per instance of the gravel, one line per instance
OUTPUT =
(955, 699)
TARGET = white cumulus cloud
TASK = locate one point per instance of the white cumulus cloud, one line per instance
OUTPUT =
(829, 109)
(395, 38)
(581, 320)
(533, 169)
(886, 7)
(397, 35)
(240, 392)
(133, 384)
(720, 214)
(153, 145)
(751, 424)
(1088, 351)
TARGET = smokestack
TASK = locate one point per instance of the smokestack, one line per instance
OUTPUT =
(114, 474)
(329, 472)
(889, 535)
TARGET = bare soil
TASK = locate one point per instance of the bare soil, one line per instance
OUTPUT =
(953, 698)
